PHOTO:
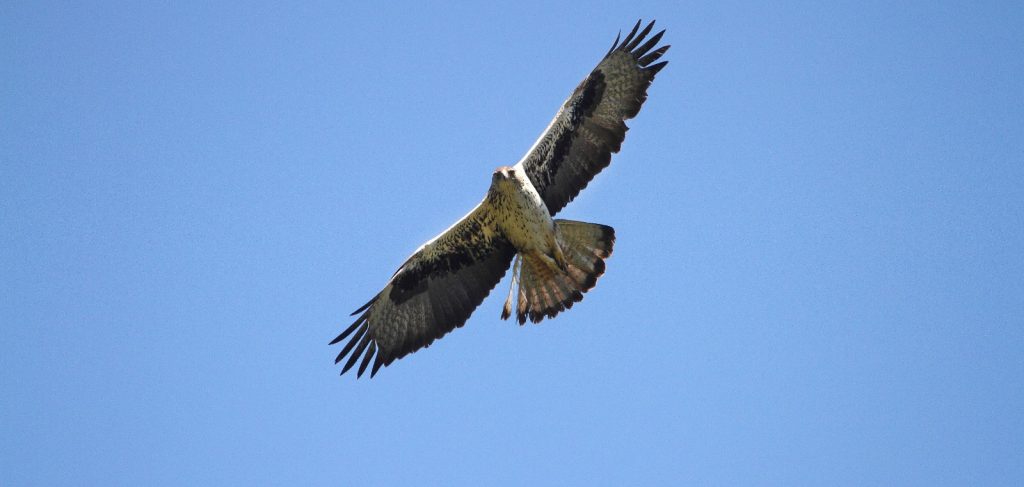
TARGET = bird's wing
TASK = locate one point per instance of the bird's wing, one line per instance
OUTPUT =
(431, 294)
(590, 126)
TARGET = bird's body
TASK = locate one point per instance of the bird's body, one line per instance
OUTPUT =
(555, 261)
(519, 212)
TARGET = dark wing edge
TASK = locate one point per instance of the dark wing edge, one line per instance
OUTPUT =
(431, 294)
(590, 126)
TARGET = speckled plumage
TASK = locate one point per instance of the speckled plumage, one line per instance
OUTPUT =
(439, 286)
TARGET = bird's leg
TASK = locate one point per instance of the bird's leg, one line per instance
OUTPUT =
(556, 252)
(506, 311)
(560, 259)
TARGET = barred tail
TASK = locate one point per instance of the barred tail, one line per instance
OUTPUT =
(545, 289)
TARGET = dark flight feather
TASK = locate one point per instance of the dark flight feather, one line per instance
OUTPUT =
(590, 126)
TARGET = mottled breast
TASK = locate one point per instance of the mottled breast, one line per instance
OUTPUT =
(521, 213)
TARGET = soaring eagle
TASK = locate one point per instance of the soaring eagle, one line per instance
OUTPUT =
(556, 261)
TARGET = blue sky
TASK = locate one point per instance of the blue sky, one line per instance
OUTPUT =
(817, 280)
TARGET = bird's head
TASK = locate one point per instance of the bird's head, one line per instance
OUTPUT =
(505, 177)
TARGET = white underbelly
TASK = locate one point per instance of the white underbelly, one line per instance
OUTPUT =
(527, 224)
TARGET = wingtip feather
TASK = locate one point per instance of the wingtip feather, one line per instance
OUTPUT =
(652, 56)
(352, 343)
(363, 307)
(629, 37)
(366, 359)
(614, 44)
(639, 38)
(345, 333)
(377, 363)
(654, 68)
(356, 353)
(653, 41)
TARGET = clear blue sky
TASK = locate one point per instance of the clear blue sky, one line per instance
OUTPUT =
(818, 278)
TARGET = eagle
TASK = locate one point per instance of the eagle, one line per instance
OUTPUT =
(553, 261)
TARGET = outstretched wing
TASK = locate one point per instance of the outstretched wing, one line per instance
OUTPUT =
(590, 126)
(431, 294)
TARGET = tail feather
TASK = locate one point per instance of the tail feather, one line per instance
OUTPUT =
(546, 290)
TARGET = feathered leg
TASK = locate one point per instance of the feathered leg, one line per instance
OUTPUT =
(506, 311)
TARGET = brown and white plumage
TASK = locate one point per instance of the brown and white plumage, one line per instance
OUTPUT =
(431, 294)
(590, 126)
(439, 286)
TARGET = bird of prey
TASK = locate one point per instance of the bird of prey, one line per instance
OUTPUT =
(555, 261)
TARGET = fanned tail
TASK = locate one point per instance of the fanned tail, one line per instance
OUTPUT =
(545, 289)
